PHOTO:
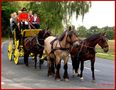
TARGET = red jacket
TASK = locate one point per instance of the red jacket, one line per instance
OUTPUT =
(23, 16)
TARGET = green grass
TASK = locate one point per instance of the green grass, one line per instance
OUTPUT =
(110, 54)
(105, 56)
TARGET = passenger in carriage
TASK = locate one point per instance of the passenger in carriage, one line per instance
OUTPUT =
(11, 25)
(15, 17)
(13, 20)
(23, 19)
(30, 15)
(36, 21)
(30, 19)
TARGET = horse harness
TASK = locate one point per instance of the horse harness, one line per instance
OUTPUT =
(81, 48)
(58, 48)
(30, 43)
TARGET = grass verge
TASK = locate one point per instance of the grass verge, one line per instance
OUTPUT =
(105, 56)
(110, 54)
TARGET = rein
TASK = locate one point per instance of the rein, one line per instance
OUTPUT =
(87, 46)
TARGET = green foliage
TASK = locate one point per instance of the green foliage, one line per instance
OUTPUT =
(109, 32)
(83, 32)
(7, 9)
(52, 14)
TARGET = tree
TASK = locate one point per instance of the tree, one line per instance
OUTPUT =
(109, 32)
(51, 14)
(54, 13)
(7, 9)
(82, 31)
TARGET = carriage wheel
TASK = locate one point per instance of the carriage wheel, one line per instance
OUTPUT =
(16, 44)
(10, 50)
(16, 56)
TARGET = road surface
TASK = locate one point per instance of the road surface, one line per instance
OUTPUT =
(20, 76)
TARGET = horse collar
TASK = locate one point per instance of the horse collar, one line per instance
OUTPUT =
(38, 42)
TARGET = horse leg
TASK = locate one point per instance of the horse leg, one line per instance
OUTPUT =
(49, 66)
(26, 55)
(41, 60)
(52, 58)
(57, 76)
(77, 68)
(92, 69)
(75, 64)
(66, 78)
(52, 68)
(35, 57)
(82, 67)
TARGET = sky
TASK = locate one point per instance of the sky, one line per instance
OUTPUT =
(102, 13)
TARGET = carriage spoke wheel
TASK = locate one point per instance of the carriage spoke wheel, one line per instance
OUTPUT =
(10, 50)
(16, 56)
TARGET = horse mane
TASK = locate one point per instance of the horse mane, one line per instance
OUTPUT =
(62, 36)
(93, 37)
(40, 34)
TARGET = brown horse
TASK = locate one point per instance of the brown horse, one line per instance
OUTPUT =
(35, 45)
(57, 48)
(86, 51)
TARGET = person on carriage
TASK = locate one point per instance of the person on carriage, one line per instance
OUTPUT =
(23, 19)
(30, 19)
(19, 12)
(36, 21)
(13, 20)
(30, 15)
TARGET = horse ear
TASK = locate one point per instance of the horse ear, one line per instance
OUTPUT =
(69, 28)
(47, 28)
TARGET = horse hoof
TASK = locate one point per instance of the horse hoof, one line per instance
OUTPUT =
(40, 67)
(81, 79)
(73, 76)
(58, 79)
(78, 75)
(93, 81)
(27, 65)
(66, 79)
(53, 75)
(50, 76)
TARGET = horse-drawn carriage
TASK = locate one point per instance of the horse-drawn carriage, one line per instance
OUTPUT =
(15, 49)
(56, 49)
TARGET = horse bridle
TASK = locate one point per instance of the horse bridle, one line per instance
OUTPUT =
(87, 45)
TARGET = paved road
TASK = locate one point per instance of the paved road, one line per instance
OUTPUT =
(20, 76)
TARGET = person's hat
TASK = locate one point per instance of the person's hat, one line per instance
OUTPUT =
(24, 9)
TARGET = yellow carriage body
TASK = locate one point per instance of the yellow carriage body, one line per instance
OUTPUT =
(30, 32)
(18, 49)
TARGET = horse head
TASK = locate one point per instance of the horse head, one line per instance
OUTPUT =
(72, 37)
(44, 34)
(103, 42)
